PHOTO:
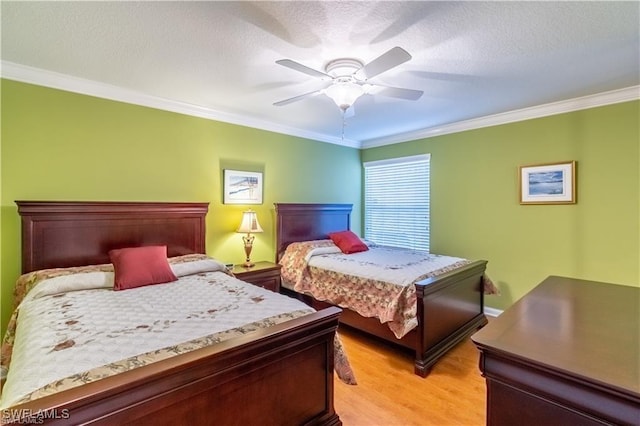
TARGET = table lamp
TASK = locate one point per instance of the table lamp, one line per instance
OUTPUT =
(249, 225)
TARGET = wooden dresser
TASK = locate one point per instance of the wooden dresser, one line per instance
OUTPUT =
(566, 353)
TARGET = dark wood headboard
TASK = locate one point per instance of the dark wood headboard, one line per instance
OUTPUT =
(306, 222)
(58, 234)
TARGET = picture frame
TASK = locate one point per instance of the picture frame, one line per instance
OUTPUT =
(242, 187)
(551, 183)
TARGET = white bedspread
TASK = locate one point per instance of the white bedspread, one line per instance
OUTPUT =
(75, 331)
(389, 264)
(392, 265)
(374, 283)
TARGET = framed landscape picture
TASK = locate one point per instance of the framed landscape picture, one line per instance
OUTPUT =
(553, 183)
(242, 187)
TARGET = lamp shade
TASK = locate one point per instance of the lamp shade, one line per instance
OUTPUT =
(249, 224)
(344, 94)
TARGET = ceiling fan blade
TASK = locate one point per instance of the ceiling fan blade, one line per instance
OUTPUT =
(302, 68)
(397, 92)
(296, 98)
(393, 57)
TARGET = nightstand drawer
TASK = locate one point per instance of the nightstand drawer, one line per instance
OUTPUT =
(270, 283)
(262, 274)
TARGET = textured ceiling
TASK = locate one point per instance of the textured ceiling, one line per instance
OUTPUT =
(471, 59)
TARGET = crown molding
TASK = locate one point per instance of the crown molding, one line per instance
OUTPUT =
(31, 75)
(54, 80)
(601, 99)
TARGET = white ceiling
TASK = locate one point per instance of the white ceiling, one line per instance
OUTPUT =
(217, 59)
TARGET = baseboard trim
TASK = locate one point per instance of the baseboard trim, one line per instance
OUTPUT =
(492, 312)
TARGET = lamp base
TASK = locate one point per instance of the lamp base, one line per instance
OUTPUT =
(248, 245)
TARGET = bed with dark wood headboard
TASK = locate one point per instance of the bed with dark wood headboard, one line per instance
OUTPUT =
(450, 307)
(244, 380)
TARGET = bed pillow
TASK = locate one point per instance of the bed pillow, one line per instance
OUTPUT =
(348, 242)
(191, 264)
(140, 266)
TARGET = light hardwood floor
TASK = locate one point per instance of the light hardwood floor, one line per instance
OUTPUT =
(388, 393)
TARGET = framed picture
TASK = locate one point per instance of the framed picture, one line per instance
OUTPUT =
(553, 183)
(242, 187)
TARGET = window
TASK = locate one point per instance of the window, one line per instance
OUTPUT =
(396, 202)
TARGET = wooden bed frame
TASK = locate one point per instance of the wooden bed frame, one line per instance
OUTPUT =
(279, 375)
(450, 307)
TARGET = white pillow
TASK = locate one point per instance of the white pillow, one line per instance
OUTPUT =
(196, 267)
(72, 282)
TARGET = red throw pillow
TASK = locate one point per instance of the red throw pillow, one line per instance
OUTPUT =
(140, 266)
(348, 242)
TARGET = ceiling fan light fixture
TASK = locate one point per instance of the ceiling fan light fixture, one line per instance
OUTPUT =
(349, 79)
(344, 94)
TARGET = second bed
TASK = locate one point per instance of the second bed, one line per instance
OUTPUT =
(427, 303)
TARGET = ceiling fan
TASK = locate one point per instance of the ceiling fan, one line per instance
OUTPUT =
(349, 78)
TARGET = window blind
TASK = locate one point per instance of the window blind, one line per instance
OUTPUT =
(396, 205)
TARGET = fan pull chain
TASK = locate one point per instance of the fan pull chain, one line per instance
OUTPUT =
(344, 109)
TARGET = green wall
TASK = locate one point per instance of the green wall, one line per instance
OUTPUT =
(58, 145)
(476, 213)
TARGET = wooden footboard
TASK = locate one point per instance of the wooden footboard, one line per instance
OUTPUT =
(450, 308)
(280, 375)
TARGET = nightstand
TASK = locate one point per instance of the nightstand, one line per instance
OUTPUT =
(262, 274)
